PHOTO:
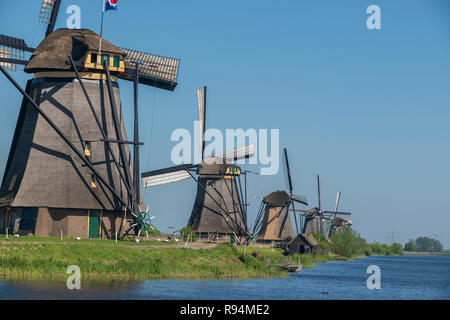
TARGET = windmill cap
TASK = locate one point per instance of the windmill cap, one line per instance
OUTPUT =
(215, 169)
(278, 198)
(52, 53)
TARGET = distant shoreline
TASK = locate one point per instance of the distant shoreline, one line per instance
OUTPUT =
(423, 253)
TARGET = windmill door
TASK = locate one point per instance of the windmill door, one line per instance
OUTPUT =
(94, 224)
(28, 220)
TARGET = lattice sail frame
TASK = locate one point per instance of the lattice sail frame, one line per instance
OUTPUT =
(165, 178)
(153, 65)
(46, 11)
(7, 53)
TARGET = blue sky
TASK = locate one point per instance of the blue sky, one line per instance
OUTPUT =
(366, 109)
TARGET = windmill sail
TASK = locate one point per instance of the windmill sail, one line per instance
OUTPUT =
(154, 70)
(166, 175)
(201, 98)
(49, 14)
(233, 155)
(300, 199)
(338, 197)
(12, 52)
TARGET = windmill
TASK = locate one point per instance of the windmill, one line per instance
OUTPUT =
(70, 167)
(338, 224)
(273, 222)
(218, 206)
(315, 217)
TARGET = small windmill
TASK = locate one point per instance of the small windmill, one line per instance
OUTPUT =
(315, 217)
(70, 153)
(219, 204)
(338, 224)
(273, 222)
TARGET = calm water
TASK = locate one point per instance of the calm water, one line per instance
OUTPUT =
(407, 277)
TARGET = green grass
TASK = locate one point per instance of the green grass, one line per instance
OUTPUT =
(49, 260)
(32, 239)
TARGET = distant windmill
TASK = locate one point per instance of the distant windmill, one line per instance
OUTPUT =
(315, 217)
(273, 222)
(70, 167)
(219, 204)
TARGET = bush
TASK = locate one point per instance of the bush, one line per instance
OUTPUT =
(396, 248)
(384, 249)
(348, 243)
(323, 242)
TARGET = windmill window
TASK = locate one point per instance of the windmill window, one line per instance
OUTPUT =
(93, 58)
(116, 62)
(93, 181)
(105, 57)
(87, 148)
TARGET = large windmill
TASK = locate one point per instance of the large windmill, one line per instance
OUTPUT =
(70, 168)
(314, 218)
(219, 206)
(273, 222)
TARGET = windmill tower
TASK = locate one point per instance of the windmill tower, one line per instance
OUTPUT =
(273, 222)
(315, 217)
(218, 206)
(70, 168)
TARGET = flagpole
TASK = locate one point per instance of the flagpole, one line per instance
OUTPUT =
(101, 29)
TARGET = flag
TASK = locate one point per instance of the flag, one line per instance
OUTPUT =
(111, 5)
(107, 5)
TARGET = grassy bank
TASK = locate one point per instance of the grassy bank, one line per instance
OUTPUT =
(48, 260)
(46, 257)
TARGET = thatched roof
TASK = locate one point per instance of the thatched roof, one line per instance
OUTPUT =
(309, 240)
(52, 52)
(278, 198)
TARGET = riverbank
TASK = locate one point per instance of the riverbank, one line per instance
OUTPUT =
(40, 258)
(99, 260)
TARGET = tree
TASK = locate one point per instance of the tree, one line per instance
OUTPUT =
(410, 245)
(426, 244)
(396, 248)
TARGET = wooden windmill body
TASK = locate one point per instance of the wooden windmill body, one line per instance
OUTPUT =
(207, 215)
(276, 211)
(273, 222)
(70, 169)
